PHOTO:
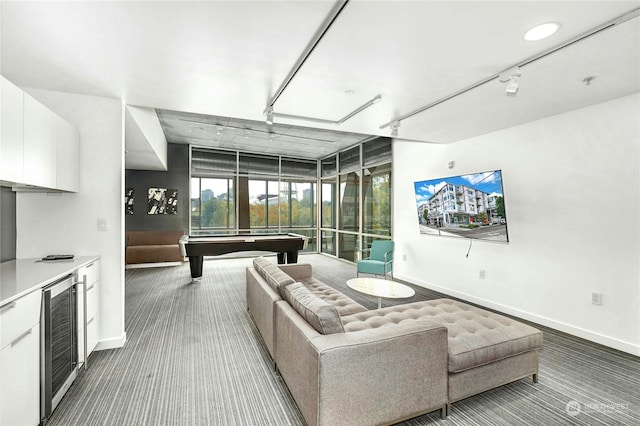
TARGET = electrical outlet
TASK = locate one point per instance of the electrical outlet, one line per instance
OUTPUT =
(404, 257)
(102, 224)
(596, 298)
(482, 274)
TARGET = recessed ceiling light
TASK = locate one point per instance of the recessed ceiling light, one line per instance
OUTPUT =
(541, 31)
(349, 92)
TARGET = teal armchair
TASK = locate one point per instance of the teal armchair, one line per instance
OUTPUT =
(380, 261)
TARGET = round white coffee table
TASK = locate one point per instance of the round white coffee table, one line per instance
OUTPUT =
(380, 288)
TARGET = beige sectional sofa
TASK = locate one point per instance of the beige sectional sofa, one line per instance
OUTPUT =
(344, 364)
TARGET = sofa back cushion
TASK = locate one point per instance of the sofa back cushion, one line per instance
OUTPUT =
(273, 275)
(319, 314)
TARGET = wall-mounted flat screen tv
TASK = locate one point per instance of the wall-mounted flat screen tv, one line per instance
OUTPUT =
(466, 206)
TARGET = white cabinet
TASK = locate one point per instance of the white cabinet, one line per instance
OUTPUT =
(88, 308)
(20, 361)
(20, 387)
(39, 144)
(38, 149)
(67, 156)
(11, 145)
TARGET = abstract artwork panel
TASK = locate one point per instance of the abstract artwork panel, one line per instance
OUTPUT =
(162, 201)
(128, 201)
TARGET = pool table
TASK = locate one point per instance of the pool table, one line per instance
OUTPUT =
(196, 247)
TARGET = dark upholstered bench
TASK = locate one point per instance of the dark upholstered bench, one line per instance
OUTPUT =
(153, 247)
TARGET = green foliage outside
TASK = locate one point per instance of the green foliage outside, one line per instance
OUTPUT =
(482, 217)
(217, 213)
(299, 214)
(470, 226)
(500, 207)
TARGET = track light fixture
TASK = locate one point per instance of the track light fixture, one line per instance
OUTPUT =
(511, 77)
(394, 128)
(269, 112)
(512, 86)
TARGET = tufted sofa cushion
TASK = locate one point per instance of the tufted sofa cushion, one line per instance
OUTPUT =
(273, 275)
(344, 304)
(318, 313)
(475, 337)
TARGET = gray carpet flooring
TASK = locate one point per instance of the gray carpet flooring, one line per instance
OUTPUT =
(194, 357)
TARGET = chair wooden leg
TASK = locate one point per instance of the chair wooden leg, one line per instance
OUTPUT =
(535, 378)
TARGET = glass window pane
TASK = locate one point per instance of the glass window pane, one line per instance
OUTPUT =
(376, 151)
(298, 168)
(195, 203)
(297, 204)
(328, 204)
(263, 204)
(217, 207)
(305, 214)
(329, 166)
(348, 247)
(312, 246)
(328, 243)
(285, 204)
(206, 163)
(272, 205)
(350, 160)
(258, 165)
(376, 185)
(349, 202)
(257, 203)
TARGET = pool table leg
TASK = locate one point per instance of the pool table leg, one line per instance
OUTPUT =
(195, 263)
(280, 258)
(292, 256)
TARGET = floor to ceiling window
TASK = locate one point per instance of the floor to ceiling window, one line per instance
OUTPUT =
(213, 184)
(356, 199)
(341, 203)
(212, 203)
(328, 216)
(234, 192)
(263, 204)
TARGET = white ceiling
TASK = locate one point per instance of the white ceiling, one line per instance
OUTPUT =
(227, 59)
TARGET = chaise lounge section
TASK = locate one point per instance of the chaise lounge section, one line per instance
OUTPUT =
(485, 350)
(344, 364)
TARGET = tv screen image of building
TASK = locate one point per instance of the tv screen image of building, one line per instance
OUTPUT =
(463, 206)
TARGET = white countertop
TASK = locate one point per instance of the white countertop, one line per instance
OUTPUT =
(22, 276)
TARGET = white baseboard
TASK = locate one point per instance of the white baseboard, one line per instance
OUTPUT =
(152, 265)
(621, 345)
(114, 343)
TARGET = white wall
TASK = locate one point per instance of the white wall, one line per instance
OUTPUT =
(67, 223)
(572, 191)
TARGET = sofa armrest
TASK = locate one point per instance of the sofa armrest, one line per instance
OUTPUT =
(260, 304)
(382, 375)
(297, 271)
